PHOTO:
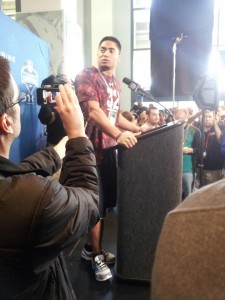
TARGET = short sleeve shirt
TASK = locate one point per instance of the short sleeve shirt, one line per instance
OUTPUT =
(92, 85)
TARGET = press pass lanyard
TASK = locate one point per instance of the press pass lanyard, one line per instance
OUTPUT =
(112, 112)
(109, 89)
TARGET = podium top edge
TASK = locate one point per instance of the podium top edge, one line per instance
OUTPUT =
(155, 131)
(160, 129)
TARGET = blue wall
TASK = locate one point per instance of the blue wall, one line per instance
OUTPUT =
(30, 62)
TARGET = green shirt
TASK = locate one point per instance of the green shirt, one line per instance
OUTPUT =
(189, 133)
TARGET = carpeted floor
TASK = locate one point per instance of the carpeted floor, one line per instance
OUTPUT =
(83, 279)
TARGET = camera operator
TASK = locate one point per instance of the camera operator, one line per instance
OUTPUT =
(48, 114)
(39, 217)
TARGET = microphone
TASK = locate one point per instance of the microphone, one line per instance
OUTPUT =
(179, 39)
(134, 86)
(137, 88)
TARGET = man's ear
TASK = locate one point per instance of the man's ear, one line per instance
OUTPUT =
(6, 123)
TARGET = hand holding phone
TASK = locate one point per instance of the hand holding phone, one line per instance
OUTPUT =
(46, 96)
(70, 112)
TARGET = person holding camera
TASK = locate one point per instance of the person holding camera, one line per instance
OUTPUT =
(40, 217)
(48, 115)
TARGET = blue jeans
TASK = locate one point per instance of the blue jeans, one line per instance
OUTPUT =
(187, 184)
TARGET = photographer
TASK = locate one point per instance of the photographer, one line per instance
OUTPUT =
(39, 217)
(48, 115)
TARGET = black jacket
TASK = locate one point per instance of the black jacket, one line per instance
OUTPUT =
(39, 217)
(54, 129)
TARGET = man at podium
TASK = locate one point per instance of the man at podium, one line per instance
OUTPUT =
(98, 92)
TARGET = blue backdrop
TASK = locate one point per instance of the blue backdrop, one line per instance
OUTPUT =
(30, 61)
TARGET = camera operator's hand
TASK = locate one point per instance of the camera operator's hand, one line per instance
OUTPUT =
(69, 110)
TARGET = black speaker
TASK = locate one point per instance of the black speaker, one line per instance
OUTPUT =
(205, 93)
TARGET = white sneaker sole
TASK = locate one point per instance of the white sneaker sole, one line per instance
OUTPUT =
(103, 279)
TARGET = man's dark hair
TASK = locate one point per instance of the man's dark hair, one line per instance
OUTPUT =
(6, 88)
(55, 81)
(148, 111)
(112, 39)
(127, 115)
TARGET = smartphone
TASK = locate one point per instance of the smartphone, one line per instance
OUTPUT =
(46, 96)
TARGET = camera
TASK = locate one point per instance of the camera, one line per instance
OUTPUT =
(46, 96)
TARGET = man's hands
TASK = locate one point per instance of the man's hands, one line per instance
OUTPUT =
(70, 112)
(128, 139)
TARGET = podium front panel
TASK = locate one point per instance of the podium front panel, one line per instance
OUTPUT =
(149, 186)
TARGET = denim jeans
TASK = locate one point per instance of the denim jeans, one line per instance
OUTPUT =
(187, 184)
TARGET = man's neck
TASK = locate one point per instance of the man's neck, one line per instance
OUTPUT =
(206, 129)
(151, 125)
(4, 147)
(109, 72)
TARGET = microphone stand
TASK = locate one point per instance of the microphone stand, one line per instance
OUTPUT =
(174, 50)
(174, 71)
(135, 87)
(201, 163)
(151, 98)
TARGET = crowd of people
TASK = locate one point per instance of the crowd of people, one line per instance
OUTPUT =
(47, 214)
(203, 143)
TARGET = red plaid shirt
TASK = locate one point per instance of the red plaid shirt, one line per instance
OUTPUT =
(90, 84)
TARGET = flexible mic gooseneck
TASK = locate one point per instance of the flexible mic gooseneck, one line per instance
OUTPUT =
(134, 86)
(137, 88)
